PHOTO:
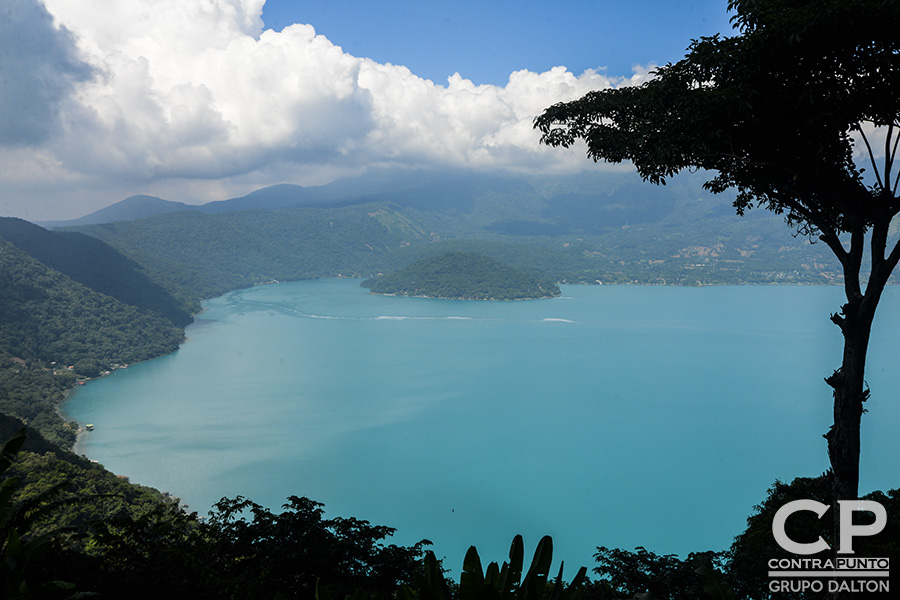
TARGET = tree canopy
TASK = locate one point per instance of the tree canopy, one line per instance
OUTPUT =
(799, 113)
(773, 112)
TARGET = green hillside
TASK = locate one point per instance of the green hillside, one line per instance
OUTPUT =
(195, 255)
(97, 266)
(464, 276)
(49, 323)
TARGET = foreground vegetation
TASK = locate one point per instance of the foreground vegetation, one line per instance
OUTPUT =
(71, 527)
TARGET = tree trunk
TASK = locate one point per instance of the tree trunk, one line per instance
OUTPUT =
(850, 393)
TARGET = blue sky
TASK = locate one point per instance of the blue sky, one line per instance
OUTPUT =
(202, 100)
(485, 41)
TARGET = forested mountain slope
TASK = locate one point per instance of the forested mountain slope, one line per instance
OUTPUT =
(129, 209)
(205, 255)
(95, 265)
(48, 323)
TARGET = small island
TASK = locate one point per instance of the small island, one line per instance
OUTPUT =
(461, 276)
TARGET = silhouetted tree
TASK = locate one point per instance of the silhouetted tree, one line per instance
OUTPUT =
(789, 112)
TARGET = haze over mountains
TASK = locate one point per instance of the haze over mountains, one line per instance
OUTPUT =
(351, 190)
(605, 226)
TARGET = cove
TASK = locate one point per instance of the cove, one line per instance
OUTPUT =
(620, 416)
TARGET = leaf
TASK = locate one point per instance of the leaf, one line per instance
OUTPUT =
(11, 448)
(713, 581)
(322, 592)
(516, 559)
(511, 573)
(13, 544)
(472, 577)
(406, 593)
(359, 594)
(492, 576)
(432, 585)
(536, 579)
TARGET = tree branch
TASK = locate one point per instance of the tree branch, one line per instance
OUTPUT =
(894, 156)
(852, 287)
(871, 154)
(889, 153)
(879, 239)
(826, 234)
(892, 259)
(878, 279)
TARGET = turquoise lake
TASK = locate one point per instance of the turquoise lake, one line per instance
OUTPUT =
(620, 416)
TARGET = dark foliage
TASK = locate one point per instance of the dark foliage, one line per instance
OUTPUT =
(263, 553)
(749, 554)
(623, 574)
(242, 552)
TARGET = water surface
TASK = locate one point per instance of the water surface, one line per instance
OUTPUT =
(617, 416)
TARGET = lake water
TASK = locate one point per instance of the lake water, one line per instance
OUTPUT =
(615, 415)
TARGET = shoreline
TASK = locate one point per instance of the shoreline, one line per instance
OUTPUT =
(398, 295)
(77, 446)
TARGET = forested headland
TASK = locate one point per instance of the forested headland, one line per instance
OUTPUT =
(462, 276)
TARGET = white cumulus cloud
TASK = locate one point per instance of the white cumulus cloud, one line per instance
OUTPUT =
(159, 91)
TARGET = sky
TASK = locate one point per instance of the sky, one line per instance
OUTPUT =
(201, 100)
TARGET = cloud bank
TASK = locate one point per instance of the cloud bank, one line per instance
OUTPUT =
(144, 94)
(38, 72)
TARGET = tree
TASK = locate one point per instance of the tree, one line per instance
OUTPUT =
(642, 573)
(748, 559)
(790, 113)
(260, 554)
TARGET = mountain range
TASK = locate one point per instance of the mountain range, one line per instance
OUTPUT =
(605, 226)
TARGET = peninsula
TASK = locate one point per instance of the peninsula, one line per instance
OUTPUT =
(463, 276)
